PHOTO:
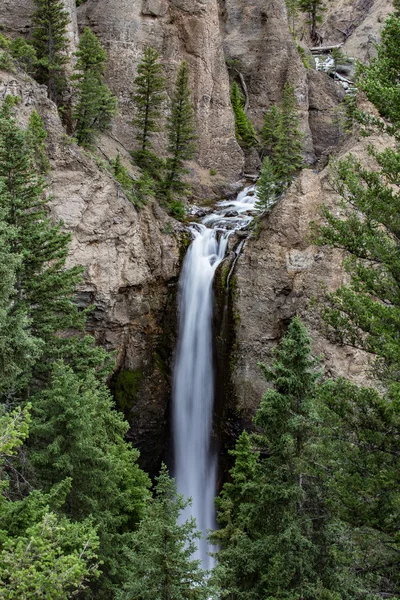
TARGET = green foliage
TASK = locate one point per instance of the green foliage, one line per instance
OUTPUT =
(396, 6)
(266, 186)
(126, 387)
(41, 555)
(138, 191)
(380, 79)
(181, 132)
(161, 563)
(292, 7)
(95, 104)
(76, 434)
(24, 55)
(243, 128)
(366, 313)
(50, 40)
(176, 209)
(36, 136)
(276, 538)
(314, 8)
(45, 289)
(282, 140)
(52, 560)
(18, 348)
(148, 99)
(288, 151)
(360, 455)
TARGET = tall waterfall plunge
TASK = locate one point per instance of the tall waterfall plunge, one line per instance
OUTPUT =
(193, 388)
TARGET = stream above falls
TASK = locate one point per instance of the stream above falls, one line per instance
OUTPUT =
(195, 454)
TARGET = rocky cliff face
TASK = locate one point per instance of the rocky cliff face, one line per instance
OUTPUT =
(131, 262)
(281, 273)
(132, 258)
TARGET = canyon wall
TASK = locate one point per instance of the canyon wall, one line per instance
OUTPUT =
(131, 258)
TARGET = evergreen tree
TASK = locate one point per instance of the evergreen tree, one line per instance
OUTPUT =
(276, 540)
(77, 434)
(162, 566)
(95, 105)
(50, 41)
(314, 8)
(266, 186)
(288, 152)
(148, 98)
(36, 136)
(181, 132)
(24, 55)
(396, 6)
(269, 132)
(380, 79)
(44, 288)
(244, 129)
(18, 348)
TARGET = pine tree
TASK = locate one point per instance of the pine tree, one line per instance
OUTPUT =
(266, 186)
(275, 540)
(379, 79)
(314, 8)
(41, 554)
(161, 564)
(181, 132)
(288, 152)
(50, 40)
(77, 434)
(95, 105)
(18, 348)
(45, 289)
(24, 55)
(269, 130)
(244, 129)
(148, 98)
(36, 136)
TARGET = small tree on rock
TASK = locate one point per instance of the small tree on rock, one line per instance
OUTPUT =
(148, 98)
(51, 43)
(181, 132)
(96, 105)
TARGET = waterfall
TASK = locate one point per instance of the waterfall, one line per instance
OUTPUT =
(193, 387)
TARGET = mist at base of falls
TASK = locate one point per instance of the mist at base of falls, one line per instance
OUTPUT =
(195, 457)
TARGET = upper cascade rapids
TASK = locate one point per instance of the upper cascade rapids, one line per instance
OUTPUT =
(195, 455)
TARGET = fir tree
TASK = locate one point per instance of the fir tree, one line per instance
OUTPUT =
(288, 151)
(50, 40)
(266, 186)
(44, 287)
(77, 434)
(379, 80)
(41, 554)
(244, 129)
(95, 105)
(18, 348)
(269, 132)
(24, 55)
(314, 8)
(181, 131)
(161, 564)
(275, 540)
(148, 98)
(36, 136)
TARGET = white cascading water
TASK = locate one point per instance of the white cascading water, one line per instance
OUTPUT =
(193, 388)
